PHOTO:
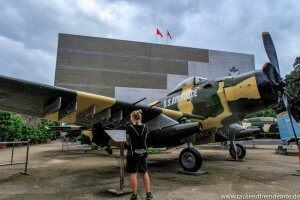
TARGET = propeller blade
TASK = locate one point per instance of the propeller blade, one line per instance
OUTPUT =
(271, 73)
(270, 50)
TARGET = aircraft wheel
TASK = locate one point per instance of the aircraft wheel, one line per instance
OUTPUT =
(190, 159)
(241, 151)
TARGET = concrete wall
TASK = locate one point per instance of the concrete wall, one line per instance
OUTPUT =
(141, 50)
(98, 65)
(110, 78)
(130, 71)
(219, 64)
(173, 80)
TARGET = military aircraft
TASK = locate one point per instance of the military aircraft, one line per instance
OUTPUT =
(191, 113)
(268, 126)
(285, 129)
(232, 133)
(71, 129)
(86, 135)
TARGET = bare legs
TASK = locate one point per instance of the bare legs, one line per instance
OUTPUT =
(146, 181)
(133, 182)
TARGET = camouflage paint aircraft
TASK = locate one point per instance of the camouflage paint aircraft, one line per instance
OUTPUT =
(190, 113)
(267, 124)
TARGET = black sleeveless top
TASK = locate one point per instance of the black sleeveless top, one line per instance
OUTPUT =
(137, 136)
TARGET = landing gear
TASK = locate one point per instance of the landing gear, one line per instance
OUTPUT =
(240, 152)
(281, 150)
(190, 159)
(109, 150)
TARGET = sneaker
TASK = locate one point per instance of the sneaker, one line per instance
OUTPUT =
(149, 196)
(133, 197)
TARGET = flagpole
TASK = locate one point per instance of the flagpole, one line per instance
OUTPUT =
(156, 36)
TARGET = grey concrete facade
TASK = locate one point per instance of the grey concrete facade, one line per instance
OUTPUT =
(130, 70)
(219, 64)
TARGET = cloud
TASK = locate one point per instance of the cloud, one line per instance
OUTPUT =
(32, 26)
(15, 55)
(237, 25)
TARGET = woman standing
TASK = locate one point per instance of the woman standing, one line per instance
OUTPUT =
(136, 134)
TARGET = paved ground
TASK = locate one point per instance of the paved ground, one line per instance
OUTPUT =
(72, 174)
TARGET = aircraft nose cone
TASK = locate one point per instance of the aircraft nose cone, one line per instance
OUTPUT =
(267, 93)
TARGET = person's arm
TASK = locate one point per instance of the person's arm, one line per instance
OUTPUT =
(127, 135)
(127, 139)
(146, 131)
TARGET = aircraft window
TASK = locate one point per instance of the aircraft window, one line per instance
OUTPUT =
(199, 80)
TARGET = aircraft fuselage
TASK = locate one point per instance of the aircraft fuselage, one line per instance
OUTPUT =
(222, 101)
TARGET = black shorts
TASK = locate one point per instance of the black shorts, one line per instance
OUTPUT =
(134, 165)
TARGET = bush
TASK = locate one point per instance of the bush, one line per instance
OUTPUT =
(13, 128)
(85, 139)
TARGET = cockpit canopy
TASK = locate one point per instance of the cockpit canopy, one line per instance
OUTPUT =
(192, 81)
(199, 80)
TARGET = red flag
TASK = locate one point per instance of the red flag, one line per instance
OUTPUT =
(169, 35)
(158, 33)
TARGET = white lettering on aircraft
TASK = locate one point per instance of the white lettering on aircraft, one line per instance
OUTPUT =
(183, 97)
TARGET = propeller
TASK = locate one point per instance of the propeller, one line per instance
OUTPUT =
(272, 71)
(272, 74)
(270, 50)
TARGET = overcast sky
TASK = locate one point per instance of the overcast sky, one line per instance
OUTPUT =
(29, 28)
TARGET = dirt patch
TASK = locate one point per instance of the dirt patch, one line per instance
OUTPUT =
(74, 174)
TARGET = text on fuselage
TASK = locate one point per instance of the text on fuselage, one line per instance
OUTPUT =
(185, 96)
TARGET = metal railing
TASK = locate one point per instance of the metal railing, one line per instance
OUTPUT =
(12, 156)
(65, 142)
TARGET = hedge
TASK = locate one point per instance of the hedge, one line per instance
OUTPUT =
(13, 128)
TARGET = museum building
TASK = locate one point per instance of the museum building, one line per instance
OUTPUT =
(130, 71)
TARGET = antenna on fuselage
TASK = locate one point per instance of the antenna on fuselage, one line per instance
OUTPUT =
(139, 101)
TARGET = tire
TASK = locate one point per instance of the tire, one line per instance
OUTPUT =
(241, 151)
(190, 159)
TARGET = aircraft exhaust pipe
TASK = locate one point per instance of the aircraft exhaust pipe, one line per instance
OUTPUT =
(184, 128)
(178, 131)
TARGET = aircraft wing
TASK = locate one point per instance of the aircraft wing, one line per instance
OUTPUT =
(71, 106)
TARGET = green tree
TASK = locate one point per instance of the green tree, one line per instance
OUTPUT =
(293, 89)
(297, 62)
(4, 125)
(43, 131)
